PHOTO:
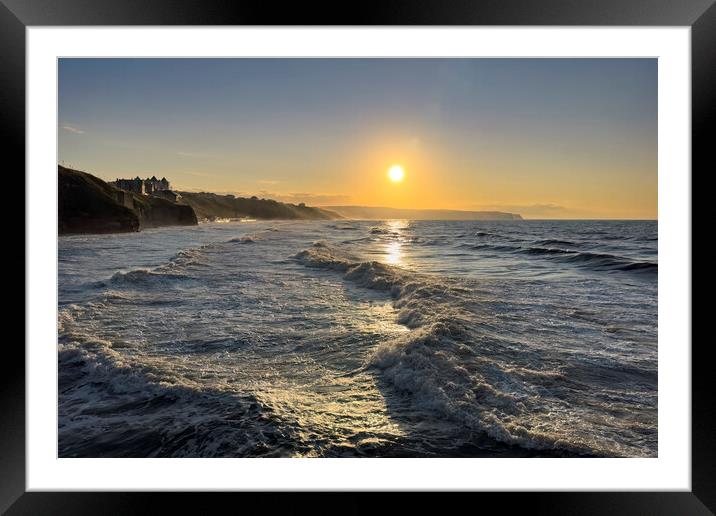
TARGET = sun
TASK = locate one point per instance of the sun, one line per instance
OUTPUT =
(396, 173)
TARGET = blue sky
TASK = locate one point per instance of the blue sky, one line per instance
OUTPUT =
(565, 138)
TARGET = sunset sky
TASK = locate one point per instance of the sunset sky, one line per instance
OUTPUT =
(546, 138)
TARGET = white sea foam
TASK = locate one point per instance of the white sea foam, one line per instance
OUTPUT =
(245, 239)
(448, 365)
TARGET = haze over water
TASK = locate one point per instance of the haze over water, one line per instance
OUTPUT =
(360, 338)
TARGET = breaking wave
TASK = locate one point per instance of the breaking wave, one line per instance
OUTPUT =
(175, 269)
(142, 410)
(246, 239)
(118, 404)
(450, 363)
(144, 276)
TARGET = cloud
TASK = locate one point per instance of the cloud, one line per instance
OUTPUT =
(268, 182)
(72, 129)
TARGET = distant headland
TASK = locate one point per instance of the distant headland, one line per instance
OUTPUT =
(380, 213)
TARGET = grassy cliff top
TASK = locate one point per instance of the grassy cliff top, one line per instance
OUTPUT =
(210, 205)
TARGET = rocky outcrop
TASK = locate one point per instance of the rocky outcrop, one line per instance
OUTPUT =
(154, 212)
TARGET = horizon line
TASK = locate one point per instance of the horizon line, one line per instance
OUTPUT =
(328, 206)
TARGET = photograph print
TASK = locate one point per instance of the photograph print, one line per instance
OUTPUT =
(357, 257)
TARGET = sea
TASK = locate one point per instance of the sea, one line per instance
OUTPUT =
(346, 338)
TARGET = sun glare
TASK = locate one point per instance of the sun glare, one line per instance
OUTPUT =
(396, 173)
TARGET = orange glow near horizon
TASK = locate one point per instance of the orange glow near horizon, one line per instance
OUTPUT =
(430, 177)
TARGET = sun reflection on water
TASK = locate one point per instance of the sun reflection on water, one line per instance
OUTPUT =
(393, 253)
(397, 225)
(393, 250)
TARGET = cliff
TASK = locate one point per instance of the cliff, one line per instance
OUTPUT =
(371, 212)
(210, 205)
(155, 211)
(86, 204)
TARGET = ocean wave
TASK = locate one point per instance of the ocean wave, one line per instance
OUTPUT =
(357, 240)
(607, 262)
(379, 230)
(186, 258)
(492, 247)
(246, 239)
(144, 277)
(117, 295)
(546, 250)
(343, 227)
(593, 261)
(551, 241)
(641, 266)
(168, 360)
(449, 364)
(145, 407)
(175, 269)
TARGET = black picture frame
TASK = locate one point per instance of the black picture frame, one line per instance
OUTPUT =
(16, 15)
